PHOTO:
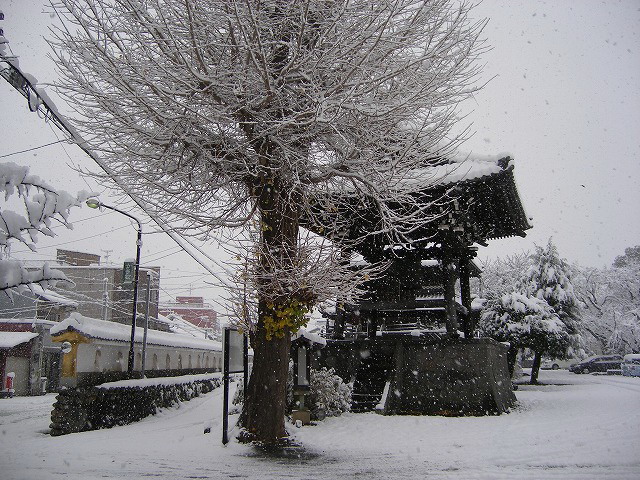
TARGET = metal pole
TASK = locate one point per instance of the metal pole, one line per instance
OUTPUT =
(146, 325)
(105, 299)
(134, 314)
(95, 204)
(225, 381)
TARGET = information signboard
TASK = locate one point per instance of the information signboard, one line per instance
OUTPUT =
(128, 272)
(235, 345)
(236, 360)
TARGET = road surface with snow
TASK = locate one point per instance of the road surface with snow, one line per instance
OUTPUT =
(574, 427)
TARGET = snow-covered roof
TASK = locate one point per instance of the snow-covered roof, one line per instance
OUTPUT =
(11, 339)
(53, 296)
(94, 328)
(32, 321)
(461, 168)
(177, 324)
(312, 337)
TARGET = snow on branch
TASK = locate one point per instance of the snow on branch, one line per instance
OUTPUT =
(272, 116)
(193, 107)
(15, 277)
(40, 205)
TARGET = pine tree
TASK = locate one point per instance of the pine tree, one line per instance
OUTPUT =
(525, 322)
(549, 279)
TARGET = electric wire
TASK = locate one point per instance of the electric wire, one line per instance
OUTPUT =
(31, 149)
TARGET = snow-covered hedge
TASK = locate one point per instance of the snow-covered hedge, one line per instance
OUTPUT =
(106, 406)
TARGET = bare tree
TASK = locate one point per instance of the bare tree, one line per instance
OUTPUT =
(268, 115)
(610, 307)
(502, 275)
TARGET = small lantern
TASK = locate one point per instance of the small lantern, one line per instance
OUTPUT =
(301, 367)
(301, 351)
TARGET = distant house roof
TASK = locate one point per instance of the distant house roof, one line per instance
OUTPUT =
(177, 324)
(12, 339)
(32, 321)
(53, 297)
(94, 328)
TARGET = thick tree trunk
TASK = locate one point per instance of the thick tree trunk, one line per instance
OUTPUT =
(264, 409)
(265, 405)
(535, 369)
(512, 357)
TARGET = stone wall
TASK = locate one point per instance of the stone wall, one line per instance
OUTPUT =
(447, 377)
(91, 408)
(450, 378)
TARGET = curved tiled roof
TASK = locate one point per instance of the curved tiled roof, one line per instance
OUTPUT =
(94, 328)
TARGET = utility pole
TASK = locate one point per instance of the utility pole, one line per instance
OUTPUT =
(105, 299)
(146, 325)
(105, 292)
(106, 256)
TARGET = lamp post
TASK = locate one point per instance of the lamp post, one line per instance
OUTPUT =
(95, 203)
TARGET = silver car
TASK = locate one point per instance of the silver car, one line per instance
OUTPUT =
(631, 365)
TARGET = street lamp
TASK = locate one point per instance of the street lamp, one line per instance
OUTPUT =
(95, 203)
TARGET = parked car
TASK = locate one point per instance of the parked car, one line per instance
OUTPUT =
(631, 365)
(600, 363)
(556, 364)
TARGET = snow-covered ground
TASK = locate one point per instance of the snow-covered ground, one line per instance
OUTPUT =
(575, 427)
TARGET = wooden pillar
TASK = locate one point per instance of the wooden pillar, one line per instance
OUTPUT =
(465, 290)
(373, 325)
(338, 323)
(449, 281)
(341, 314)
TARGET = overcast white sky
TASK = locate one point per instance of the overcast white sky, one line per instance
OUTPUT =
(565, 103)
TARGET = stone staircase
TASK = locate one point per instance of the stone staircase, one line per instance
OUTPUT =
(369, 384)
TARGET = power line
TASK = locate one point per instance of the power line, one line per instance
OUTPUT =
(77, 239)
(22, 84)
(31, 149)
(73, 165)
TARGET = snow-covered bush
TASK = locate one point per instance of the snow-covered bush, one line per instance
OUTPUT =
(329, 394)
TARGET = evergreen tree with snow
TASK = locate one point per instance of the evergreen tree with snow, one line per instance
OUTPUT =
(525, 322)
(550, 278)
